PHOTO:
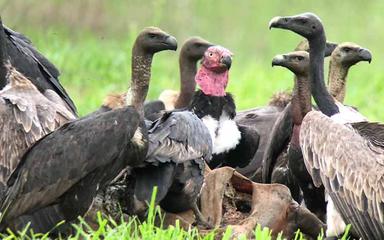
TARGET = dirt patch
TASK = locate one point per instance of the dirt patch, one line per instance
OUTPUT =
(236, 206)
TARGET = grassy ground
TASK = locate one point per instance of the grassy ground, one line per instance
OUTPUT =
(90, 41)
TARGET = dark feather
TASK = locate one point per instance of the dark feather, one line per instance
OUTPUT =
(373, 132)
(179, 144)
(278, 141)
(203, 105)
(68, 165)
(26, 59)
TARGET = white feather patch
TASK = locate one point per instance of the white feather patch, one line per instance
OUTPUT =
(224, 133)
(335, 224)
(212, 125)
(347, 115)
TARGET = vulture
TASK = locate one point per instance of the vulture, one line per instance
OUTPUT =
(342, 58)
(216, 108)
(58, 176)
(262, 120)
(33, 65)
(342, 150)
(191, 52)
(26, 114)
(179, 144)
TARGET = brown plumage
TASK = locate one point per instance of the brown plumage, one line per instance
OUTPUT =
(348, 162)
(26, 115)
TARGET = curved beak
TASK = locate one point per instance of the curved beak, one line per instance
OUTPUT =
(171, 43)
(279, 22)
(227, 61)
(278, 60)
(365, 55)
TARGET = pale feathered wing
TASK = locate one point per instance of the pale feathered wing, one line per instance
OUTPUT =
(26, 115)
(351, 169)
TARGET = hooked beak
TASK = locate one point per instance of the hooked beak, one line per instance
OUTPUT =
(279, 22)
(365, 55)
(171, 43)
(227, 61)
(278, 60)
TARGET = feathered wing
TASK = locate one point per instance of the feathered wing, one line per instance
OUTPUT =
(175, 138)
(178, 137)
(85, 153)
(350, 169)
(34, 65)
(278, 141)
(25, 116)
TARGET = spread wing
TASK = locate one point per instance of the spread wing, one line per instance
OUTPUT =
(342, 159)
(25, 116)
(96, 148)
(44, 75)
(178, 137)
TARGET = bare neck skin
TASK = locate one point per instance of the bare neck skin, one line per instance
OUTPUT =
(301, 98)
(337, 79)
(141, 74)
(188, 71)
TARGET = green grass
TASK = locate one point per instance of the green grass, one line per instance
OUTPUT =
(133, 229)
(90, 41)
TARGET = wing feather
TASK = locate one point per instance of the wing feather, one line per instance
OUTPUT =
(338, 157)
(179, 137)
(57, 161)
(26, 116)
(33, 64)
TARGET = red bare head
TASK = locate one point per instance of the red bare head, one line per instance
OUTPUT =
(213, 74)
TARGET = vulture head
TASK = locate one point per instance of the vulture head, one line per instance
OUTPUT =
(195, 47)
(348, 54)
(153, 40)
(297, 62)
(307, 25)
(217, 59)
(212, 76)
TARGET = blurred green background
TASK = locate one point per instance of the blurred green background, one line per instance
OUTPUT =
(90, 42)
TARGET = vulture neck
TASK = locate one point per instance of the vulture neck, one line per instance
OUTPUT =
(337, 79)
(141, 74)
(188, 71)
(320, 93)
(301, 99)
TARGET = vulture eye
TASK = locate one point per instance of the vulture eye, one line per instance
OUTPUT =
(300, 58)
(152, 35)
(347, 49)
(210, 54)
